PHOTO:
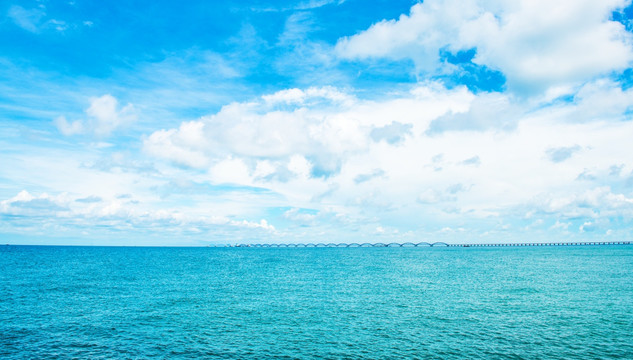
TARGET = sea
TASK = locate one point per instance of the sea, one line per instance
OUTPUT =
(61, 302)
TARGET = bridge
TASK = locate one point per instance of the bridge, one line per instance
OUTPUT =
(426, 244)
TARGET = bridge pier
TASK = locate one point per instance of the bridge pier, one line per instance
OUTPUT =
(435, 244)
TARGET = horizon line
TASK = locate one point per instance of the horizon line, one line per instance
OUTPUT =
(348, 245)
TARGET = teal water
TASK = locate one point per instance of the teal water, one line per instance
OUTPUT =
(245, 303)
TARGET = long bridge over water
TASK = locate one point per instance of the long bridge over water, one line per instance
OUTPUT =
(426, 244)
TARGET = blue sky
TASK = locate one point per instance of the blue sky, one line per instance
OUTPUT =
(156, 123)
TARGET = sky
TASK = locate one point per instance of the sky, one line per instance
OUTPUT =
(257, 121)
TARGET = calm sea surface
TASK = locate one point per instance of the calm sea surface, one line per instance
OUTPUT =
(245, 303)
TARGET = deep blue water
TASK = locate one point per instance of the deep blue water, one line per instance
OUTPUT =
(242, 303)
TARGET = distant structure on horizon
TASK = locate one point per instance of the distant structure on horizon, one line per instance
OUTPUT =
(427, 244)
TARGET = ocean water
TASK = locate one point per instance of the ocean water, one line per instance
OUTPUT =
(373, 303)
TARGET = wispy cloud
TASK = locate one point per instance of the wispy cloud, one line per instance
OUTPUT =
(27, 19)
(35, 20)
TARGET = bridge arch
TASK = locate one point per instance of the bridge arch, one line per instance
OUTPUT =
(353, 245)
(380, 245)
(439, 243)
(423, 243)
(407, 244)
(393, 244)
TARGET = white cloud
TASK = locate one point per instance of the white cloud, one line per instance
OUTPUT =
(69, 128)
(560, 225)
(592, 203)
(312, 94)
(430, 196)
(538, 44)
(103, 117)
(299, 216)
(535, 44)
(587, 226)
(300, 166)
(486, 111)
(26, 204)
(418, 36)
(230, 171)
(285, 146)
(374, 162)
(322, 125)
(602, 99)
(182, 146)
(70, 214)
(262, 224)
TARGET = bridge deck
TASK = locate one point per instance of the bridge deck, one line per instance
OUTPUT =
(438, 244)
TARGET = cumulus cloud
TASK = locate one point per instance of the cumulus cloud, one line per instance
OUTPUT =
(231, 171)
(305, 132)
(560, 225)
(301, 216)
(535, 44)
(488, 110)
(374, 161)
(593, 203)
(587, 226)
(69, 128)
(313, 95)
(25, 203)
(103, 117)
(286, 141)
(106, 116)
(418, 36)
(73, 214)
(602, 99)
(184, 145)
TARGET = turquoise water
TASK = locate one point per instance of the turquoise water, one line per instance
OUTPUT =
(245, 303)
